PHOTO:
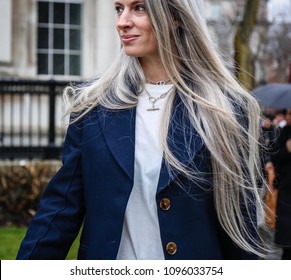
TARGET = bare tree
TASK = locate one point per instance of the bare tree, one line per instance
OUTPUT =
(243, 57)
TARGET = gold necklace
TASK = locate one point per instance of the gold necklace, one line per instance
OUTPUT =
(153, 99)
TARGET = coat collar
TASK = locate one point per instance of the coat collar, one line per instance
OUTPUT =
(119, 131)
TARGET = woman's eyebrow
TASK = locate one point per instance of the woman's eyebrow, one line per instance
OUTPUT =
(132, 3)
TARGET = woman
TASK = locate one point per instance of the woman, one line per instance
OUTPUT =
(160, 158)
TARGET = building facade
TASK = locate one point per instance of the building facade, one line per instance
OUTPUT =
(44, 45)
(66, 39)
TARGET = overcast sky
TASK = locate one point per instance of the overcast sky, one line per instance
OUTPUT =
(279, 9)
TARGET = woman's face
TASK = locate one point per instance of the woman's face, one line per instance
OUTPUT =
(135, 30)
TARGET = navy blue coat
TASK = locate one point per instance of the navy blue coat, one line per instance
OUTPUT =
(93, 186)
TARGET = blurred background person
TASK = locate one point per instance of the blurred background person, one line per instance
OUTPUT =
(280, 118)
(269, 191)
(282, 162)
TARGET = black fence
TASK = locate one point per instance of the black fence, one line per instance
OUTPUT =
(31, 124)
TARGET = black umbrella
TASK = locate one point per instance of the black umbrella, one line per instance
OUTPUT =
(277, 95)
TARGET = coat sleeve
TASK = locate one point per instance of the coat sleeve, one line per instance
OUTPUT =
(61, 211)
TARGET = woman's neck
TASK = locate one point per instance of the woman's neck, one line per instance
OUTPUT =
(154, 71)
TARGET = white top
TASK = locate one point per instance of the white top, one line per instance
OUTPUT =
(141, 238)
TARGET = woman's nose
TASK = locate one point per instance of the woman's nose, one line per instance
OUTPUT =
(124, 20)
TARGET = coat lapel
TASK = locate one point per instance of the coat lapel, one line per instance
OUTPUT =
(181, 134)
(119, 132)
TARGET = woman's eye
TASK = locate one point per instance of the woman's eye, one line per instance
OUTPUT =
(140, 8)
(118, 9)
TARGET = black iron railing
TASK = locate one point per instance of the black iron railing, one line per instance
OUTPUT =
(30, 119)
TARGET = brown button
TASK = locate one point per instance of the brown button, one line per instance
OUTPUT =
(165, 204)
(171, 248)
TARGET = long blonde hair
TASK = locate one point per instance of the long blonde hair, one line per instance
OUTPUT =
(224, 114)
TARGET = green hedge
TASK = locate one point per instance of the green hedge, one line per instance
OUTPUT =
(21, 186)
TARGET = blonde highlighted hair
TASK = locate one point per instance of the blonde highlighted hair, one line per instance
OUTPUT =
(224, 114)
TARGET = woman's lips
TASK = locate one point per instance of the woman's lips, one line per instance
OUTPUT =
(128, 38)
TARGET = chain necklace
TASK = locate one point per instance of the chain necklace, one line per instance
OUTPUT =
(153, 99)
(158, 83)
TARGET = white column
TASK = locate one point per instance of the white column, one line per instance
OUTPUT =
(5, 31)
(88, 39)
(106, 40)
